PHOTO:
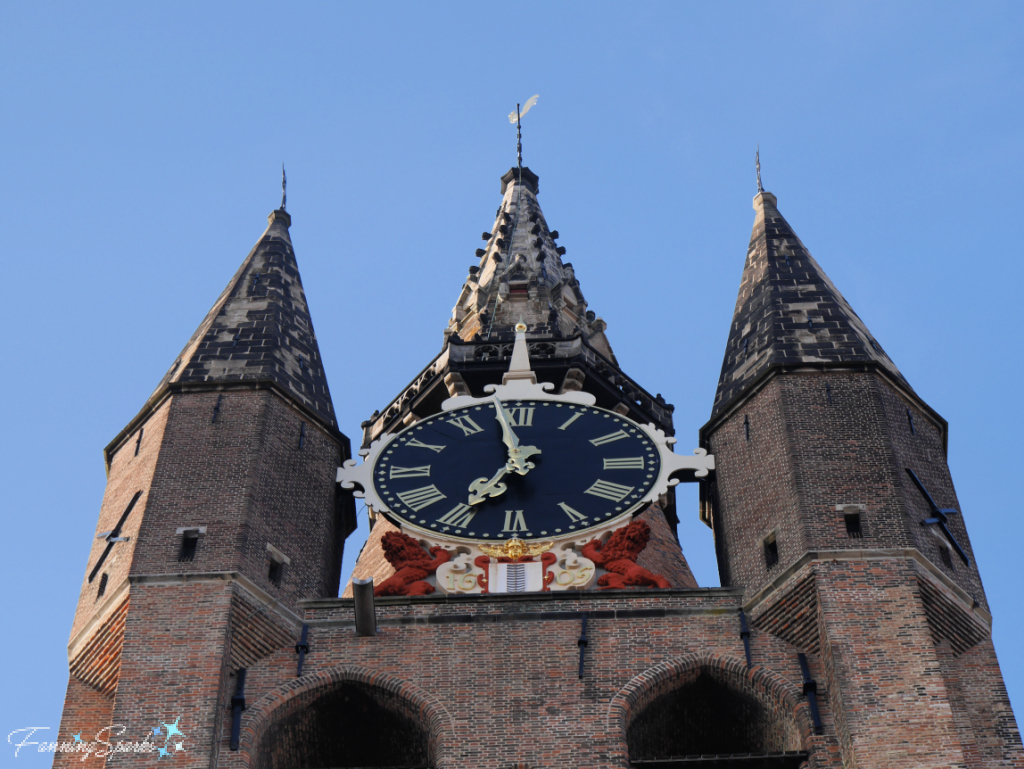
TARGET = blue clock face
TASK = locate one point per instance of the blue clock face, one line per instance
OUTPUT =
(534, 470)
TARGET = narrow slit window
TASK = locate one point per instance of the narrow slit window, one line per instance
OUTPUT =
(828, 393)
(853, 528)
(771, 552)
(302, 435)
(910, 421)
(138, 441)
(276, 572)
(945, 557)
(746, 427)
(189, 543)
(103, 585)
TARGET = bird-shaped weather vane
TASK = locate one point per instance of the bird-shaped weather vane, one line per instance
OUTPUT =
(517, 118)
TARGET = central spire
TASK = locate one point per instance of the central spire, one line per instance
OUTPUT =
(520, 276)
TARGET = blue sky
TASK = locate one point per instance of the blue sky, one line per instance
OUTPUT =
(142, 146)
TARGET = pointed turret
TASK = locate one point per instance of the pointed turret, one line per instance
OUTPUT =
(788, 313)
(259, 329)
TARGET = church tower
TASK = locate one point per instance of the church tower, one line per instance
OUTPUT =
(530, 605)
(220, 514)
(520, 278)
(834, 511)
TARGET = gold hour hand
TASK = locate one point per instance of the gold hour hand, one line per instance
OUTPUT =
(482, 488)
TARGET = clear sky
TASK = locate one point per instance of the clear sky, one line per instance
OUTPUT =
(142, 145)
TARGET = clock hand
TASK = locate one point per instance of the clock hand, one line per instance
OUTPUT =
(481, 488)
(517, 455)
(507, 436)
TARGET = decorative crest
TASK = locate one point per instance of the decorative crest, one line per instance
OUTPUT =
(284, 188)
(515, 549)
(757, 162)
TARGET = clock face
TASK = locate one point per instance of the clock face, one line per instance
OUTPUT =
(542, 471)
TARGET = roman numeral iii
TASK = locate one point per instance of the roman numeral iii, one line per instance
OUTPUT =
(467, 425)
(624, 463)
(417, 499)
(609, 438)
(416, 472)
(613, 491)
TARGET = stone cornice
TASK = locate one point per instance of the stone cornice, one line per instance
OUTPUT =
(881, 554)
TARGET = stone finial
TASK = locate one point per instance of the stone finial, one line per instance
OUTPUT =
(519, 366)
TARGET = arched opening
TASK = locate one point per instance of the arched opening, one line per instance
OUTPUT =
(351, 724)
(711, 716)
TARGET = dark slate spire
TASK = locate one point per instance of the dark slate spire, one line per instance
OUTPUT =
(788, 313)
(259, 329)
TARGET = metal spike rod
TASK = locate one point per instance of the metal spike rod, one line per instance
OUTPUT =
(757, 162)
(284, 188)
(519, 141)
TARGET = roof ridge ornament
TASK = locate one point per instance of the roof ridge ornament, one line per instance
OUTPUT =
(284, 188)
(757, 162)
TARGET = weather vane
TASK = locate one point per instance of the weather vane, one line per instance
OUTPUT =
(517, 118)
(757, 162)
(284, 188)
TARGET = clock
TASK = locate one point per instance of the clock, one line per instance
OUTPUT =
(526, 469)
(520, 464)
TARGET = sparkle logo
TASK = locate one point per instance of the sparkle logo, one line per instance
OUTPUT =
(165, 739)
(172, 736)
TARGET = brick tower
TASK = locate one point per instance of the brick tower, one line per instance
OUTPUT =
(220, 514)
(520, 277)
(851, 628)
(834, 510)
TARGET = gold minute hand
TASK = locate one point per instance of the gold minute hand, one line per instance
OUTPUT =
(510, 439)
(517, 455)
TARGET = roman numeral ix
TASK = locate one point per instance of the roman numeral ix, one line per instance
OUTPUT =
(415, 472)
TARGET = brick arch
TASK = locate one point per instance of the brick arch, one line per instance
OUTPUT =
(301, 692)
(769, 688)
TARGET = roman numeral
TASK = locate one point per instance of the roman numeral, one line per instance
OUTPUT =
(520, 416)
(517, 523)
(459, 516)
(624, 463)
(574, 515)
(417, 499)
(419, 472)
(571, 419)
(467, 425)
(421, 445)
(609, 438)
(613, 491)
